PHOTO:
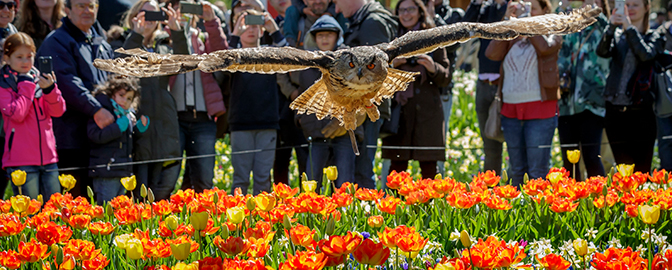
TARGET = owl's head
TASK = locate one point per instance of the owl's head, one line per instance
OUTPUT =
(362, 67)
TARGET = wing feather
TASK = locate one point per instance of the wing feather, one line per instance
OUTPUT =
(265, 60)
(316, 100)
(425, 41)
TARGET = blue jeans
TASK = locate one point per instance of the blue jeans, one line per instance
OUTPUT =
(364, 176)
(529, 146)
(665, 142)
(159, 177)
(259, 163)
(343, 157)
(198, 138)
(39, 180)
(107, 189)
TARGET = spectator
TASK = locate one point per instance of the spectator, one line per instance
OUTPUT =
(113, 11)
(114, 143)
(27, 111)
(369, 24)
(663, 121)
(632, 50)
(162, 138)
(253, 115)
(581, 104)
(7, 11)
(238, 6)
(661, 18)
(529, 90)
(302, 14)
(328, 137)
(199, 100)
(38, 18)
(487, 11)
(422, 123)
(74, 46)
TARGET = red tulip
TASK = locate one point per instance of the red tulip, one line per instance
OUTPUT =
(371, 253)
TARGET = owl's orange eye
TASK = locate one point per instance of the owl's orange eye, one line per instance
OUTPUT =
(370, 66)
(352, 65)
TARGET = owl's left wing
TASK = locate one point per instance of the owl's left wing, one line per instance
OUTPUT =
(426, 41)
(267, 60)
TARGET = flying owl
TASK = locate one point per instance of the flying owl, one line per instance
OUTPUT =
(353, 80)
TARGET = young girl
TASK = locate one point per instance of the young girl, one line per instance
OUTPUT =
(114, 143)
(27, 110)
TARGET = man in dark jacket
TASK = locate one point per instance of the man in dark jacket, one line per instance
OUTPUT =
(73, 47)
(370, 24)
(488, 76)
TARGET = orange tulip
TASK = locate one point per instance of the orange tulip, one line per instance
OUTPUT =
(157, 249)
(497, 203)
(10, 259)
(535, 187)
(258, 247)
(365, 194)
(162, 207)
(284, 191)
(507, 192)
(338, 245)
(631, 210)
(493, 253)
(32, 251)
(265, 202)
(128, 216)
(68, 263)
(396, 180)
(489, 177)
(342, 199)
(417, 197)
(79, 221)
(80, 249)
(375, 221)
(462, 200)
(554, 262)
(11, 225)
(231, 246)
(97, 263)
(411, 242)
(663, 261)
(389, 204)
(614, 258)
(564, 205)
(301, 235)
(304, 260)
(371, 253)
(101, 228)
(48, 233)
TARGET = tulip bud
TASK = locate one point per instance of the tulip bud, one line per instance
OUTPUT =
(23, 238)
(181, 251)
(143, 191)
(109, 210)
(573, 156)
(18, 177)
(526, 178)
(215, 198)
(225, 232)
(89, 191)
(505, 177)
(40, 199)
(304, 177)
(286, 222)
(332, 173)
(438, 176)
(251, 204)
(59, 253)
(649, 214)
(150, 195)
(199, 220)
(172, 222)
(580, 247)
(465, 239)
(604, 190)
(331, 226)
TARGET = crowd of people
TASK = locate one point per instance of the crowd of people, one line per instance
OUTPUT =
(95, 125)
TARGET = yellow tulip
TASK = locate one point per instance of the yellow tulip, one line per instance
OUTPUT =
(573, 156)
(18, 178)
(309, 186)
(625, 170)
(67, 181)
(555, 177)
(143, 191)
(465, 239)
(265, 202)
(375, 221)
(649, 214)
(129, 182)
(236, 214)
(199, 220)
(181, 252)
(250, 204)
(20, 203)
(580, 247)
(331, 172)
(184, 266)
(171, 222)
(446, 266)
(134, 249)
(121, 240)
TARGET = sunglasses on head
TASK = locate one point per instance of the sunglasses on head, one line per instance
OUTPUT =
(10, 5)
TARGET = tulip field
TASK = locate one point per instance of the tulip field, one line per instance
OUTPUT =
(620, 221)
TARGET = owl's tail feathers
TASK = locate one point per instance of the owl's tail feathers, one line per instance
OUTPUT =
(140, 63)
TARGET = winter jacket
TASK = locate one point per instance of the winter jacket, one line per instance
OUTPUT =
(616, 43)
(110, 145)
(372, 24)
(547, 49)
(162, 138)
(27, 112)
(487, 12)
(73, 55)
(215, 40)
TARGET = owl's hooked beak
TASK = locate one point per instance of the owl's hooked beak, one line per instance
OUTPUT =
(359, 73)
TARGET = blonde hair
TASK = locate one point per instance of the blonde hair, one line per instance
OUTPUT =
(134, 10)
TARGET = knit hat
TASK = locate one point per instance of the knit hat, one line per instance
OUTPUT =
(324, 23)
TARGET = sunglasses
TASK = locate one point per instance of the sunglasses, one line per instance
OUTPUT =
(10, 5)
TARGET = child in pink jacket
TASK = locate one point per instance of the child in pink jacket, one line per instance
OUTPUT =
(28, 100)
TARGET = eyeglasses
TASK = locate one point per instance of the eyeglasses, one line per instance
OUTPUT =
(9, 5)
(408, 10)
(87, 6)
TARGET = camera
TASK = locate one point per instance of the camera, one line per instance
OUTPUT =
(413, 61)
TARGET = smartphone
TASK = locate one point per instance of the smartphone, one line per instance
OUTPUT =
(620, 6)
(527, 6)
(254, 19)
(44, 64)
(191, 8)
(153, 16)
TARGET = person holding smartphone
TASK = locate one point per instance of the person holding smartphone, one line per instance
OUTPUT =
(632, 48)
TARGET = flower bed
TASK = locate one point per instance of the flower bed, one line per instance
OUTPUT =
(621, 220)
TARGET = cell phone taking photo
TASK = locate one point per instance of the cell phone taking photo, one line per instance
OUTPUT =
(155, 16)
(620, 7)
(44, 64)
(254, 19)
(191, 8)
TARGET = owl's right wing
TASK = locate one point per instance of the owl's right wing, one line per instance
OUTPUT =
(425, 41)
(266, 60)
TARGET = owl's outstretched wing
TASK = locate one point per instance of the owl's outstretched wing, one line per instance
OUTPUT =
(425, 41)
(267, 60)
